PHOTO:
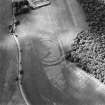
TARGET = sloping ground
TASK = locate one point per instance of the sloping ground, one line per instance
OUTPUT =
(77, 13)
(16, 99)
(5, 17)
(8, 72)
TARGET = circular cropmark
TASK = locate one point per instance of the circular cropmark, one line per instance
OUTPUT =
(54, 51)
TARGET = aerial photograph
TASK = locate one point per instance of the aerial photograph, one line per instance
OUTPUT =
(52, 52)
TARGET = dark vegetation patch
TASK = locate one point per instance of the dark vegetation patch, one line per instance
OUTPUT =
(88, 49)
(20, 7)
(95, 14)
(88, 53)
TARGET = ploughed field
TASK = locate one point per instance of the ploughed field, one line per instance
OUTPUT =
(88, 49)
